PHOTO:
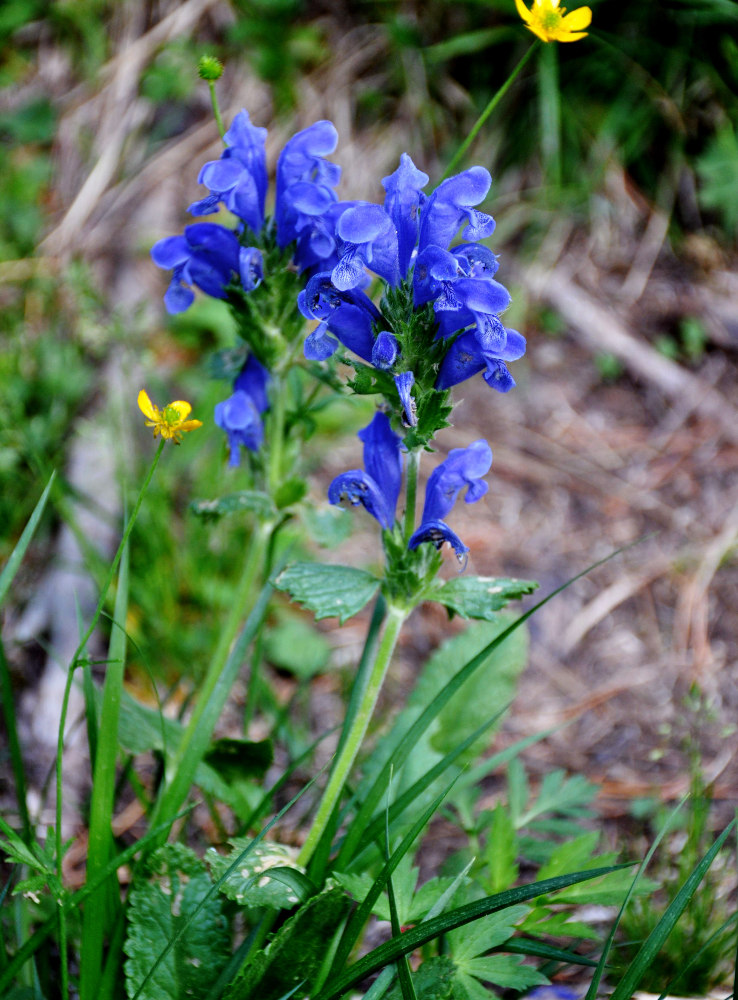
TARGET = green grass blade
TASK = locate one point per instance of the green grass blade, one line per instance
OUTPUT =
(374, 795)
(403, 969)
(16, 556)
(362, 912)
(14, 747)
(402, 802)
(639, 965)
(102, 907)
(594, 985)
(428, 930)
(725, 926)
(539, 949)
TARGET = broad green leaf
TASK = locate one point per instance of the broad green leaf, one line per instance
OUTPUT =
(297, 646)
(161, 902)
(561, 795)
(237, 759)
(291, 491)
(432, 981)
(479, 596)
(484, 934)
(327, 590)
(328, 526)
(504, 971)
(413, 902)
(542, 921)
(250, 884)
(245, 501)
(297, 952)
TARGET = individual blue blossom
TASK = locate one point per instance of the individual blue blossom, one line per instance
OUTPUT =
(240, 416)
(305, 183)
(466, 357)
(403, 201)
(377, 487)
(464, 467)
(451, 204)
(250, 267)
(239, 178)
(367, 238)
(344, 318)
(206, 255)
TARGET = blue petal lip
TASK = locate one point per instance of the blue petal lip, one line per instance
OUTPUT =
(439, 532)
(359, 488)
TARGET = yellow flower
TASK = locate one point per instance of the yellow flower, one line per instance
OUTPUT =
(551, 23)
(171, 422)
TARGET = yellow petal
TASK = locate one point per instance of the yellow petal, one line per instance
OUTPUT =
(523, 11)
(182, 407)
(578, 20)
(146, 406)
(190, 425)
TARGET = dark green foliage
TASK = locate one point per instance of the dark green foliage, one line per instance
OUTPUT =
(296, 953)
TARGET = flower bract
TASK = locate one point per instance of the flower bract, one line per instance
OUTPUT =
(171, 422)
(550, 22)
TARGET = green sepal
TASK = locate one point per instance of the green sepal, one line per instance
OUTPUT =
(251, 501)
(326, 590)
(478, 596)
(432, 409)
(409, 572)
(368, 380)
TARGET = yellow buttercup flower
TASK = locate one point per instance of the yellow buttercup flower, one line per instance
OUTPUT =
(171, 422)
(551, 23)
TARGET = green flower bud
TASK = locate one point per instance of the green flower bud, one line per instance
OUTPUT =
(210, 68)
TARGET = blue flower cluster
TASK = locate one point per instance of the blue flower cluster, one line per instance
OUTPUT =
(407, 242)
(437, 322)
(211, 256)
(377, 487)
(223, 262)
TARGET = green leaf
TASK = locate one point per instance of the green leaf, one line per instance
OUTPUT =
(296, 646)
(250, 885)
(432, 981)
(484, 934)
(296, 954)
(16, 556)
(327, 526)
(413, 902)
(501, 850)
(479, 596)
(161, 902)
(561, 795)
(291, 491)
(504, 971)
(250, 501)
(237, 759)
(328, 590)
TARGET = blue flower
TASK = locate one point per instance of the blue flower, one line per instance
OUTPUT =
(464, 467)
(240, 415)
(239, 177)
(206, 255)
(345, 317)
(404, 382)
(466, 357)
(377, 488)
(451, 204)
(403, 201)
(305, 183)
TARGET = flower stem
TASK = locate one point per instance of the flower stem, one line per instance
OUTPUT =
(216, 109)
(411, 491)
(352, 744)
(495, 100)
